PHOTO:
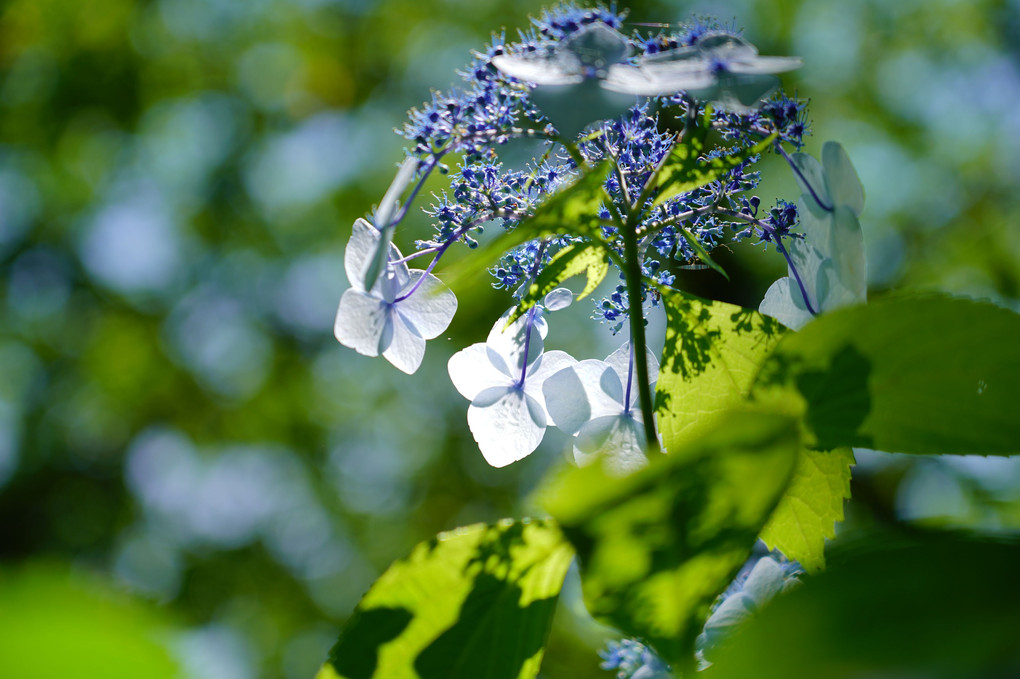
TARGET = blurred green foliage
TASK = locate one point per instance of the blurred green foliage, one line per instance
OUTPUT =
(177, 182)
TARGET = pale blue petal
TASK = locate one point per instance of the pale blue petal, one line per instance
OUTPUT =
(507, 424)
(566, 399)
(844, 184)
(765, 581)
(652, 79)
(763, 65)
(361, 321)
(811, 177)
(361, 248)
(618, 438)
(432, 306)
(472, 372)
(404, 347)
(849, 254)
(506, 346)
(538, 70)
(784, 303)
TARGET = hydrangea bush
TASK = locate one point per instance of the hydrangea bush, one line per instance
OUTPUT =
(648, 145)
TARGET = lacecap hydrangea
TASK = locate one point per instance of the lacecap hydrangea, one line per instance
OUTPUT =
(613, 110)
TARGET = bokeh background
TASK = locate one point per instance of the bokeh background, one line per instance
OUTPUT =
(177, 183)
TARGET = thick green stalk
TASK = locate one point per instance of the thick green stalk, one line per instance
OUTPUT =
(632, 276)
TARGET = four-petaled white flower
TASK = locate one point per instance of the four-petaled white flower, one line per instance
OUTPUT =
(830, 258)
(503, 378)
(402, 309)
(596, 401)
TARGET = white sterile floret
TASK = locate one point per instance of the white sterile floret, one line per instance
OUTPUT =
(503, 378)
(400, 311)
(830, 258)
(766, 580)
(591, 401)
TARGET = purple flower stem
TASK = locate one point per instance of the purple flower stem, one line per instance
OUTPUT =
(441, 249)
(630, 379)
(796, 171)
(780, 247)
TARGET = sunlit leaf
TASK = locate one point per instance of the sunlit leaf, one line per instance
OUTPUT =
(473, 603)
(712, 354)
(811, 506)
(909, 374)
(656, 547)
(574, 260)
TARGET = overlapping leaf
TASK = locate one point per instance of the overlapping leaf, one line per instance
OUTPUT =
(656, 547)
(475, 603)
(910, 374)
(712, 354)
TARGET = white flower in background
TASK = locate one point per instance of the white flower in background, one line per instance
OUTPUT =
(503, 379)
(596, 402)
(830, 258)
(404, 308)
(586, 78)
(767, 579)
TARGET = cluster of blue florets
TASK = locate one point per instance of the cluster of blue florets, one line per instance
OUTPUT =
(494, 108)
(774, 226)
(629, 657)
(782, 115)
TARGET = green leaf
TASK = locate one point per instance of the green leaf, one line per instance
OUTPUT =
(56, 624)
(572, 210)
(941, 606)
(909, 374)
(656, 547)
(580, 258)
(701, 252)
(811, 506)
(684, 170)
(712, 354)
(473, 603)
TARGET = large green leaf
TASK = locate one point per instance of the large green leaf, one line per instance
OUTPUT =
(55, 624)
(658, 546)
(933, 606)
(571, 211)
(811, 506)
(586, 258)
(911, 374)
(685, 169)
(475, 603)
(712, 354)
